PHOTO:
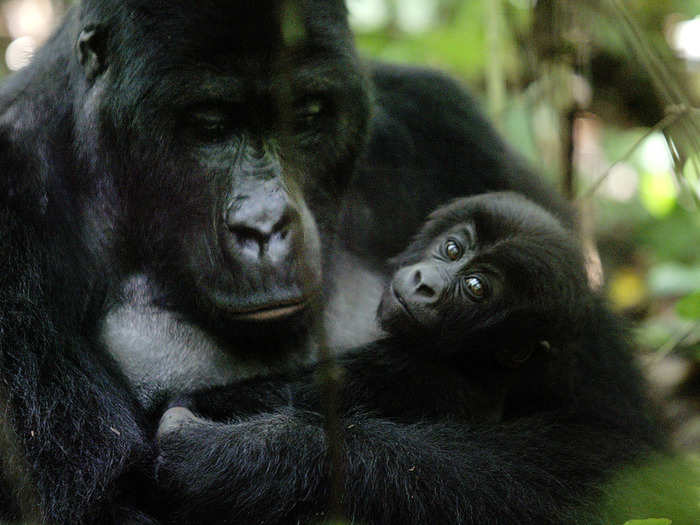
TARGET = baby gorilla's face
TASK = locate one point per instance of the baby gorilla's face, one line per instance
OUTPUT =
(448, 289)
(493, 264)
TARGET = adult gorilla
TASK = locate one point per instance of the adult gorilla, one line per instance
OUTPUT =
(175, 152)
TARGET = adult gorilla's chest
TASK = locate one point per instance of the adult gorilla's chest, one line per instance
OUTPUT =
(161, 352)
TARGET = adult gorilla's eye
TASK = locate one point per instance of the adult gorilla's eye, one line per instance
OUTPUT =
(309, 110)
(476, 287)
(209, 124)
(453, 250)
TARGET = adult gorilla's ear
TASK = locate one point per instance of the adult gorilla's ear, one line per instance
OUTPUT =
(91, 50)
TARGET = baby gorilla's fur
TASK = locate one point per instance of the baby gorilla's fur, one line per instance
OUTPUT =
(485, 307)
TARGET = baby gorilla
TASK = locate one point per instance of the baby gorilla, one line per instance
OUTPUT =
(481, 316)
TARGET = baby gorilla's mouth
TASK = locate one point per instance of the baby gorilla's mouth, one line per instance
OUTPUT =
(404, 305)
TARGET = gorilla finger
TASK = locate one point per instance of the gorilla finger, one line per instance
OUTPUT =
(173, 421)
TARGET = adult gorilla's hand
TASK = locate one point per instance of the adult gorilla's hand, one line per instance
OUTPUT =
(230, 472)
(274, 468)
(173, 420)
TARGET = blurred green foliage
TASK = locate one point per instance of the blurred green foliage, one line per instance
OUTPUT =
(651, 521)
(689, 306)
(662, 491)
(457, 43)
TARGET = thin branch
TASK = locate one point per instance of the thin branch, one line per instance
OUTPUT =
(674, 113)
(665, 81)
(495, 77)
(672, 344)
(329, 380)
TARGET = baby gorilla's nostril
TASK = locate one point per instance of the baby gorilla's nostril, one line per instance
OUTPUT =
(425, 290)
(417, 276)
(420, 287)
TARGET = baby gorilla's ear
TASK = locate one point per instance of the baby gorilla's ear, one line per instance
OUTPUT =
(91, 51)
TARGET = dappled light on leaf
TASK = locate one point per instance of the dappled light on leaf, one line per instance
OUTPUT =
(658, 193)
(663, 486)
(627, 289)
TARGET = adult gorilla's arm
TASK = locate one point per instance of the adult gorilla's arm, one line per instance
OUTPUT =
(68, 425)
(541, 465)
(273, 468)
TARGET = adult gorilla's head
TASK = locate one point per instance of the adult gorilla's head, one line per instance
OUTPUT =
(219, 126)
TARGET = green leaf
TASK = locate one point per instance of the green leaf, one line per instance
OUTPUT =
(664, 487)
(651, 521)
(658, 193)
(689, 306)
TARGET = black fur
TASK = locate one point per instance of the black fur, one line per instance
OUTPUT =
(170, 145)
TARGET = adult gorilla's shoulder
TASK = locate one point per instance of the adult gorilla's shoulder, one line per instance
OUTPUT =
(429, 142)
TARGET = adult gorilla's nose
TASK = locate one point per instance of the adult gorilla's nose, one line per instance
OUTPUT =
(262, 224)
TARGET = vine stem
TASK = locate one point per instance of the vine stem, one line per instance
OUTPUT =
(673, 115)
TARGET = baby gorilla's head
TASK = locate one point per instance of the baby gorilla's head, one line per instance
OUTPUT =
(493, 264)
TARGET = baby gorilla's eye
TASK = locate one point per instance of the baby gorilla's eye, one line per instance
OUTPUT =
(476, 287)
(453, 250)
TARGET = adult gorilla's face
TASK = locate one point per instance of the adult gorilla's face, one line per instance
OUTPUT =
(221, 127)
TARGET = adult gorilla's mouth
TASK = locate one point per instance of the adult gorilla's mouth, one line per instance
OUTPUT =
(271, 311)
(277, 306)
